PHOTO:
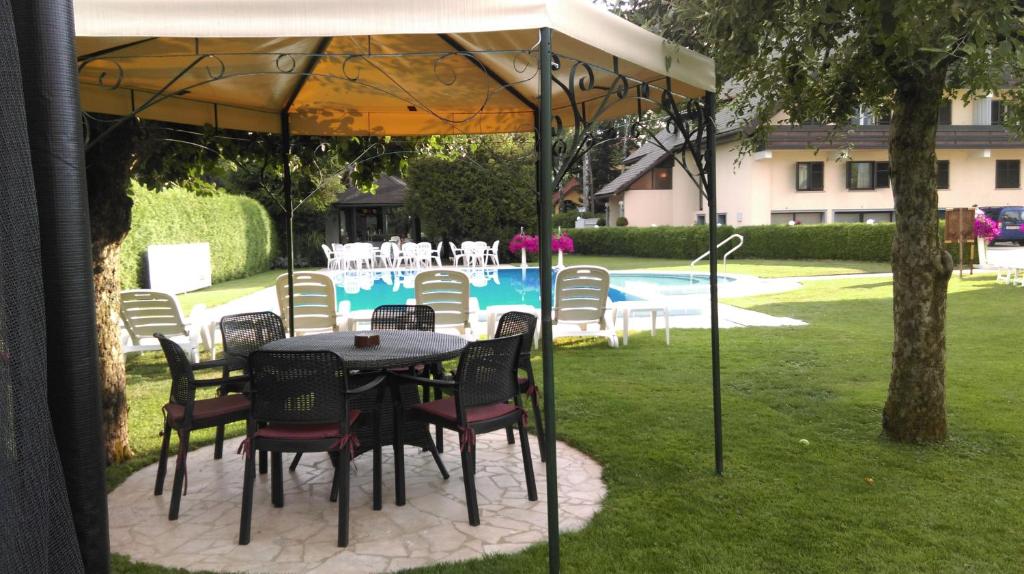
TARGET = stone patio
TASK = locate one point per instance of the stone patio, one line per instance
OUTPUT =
(432, 527)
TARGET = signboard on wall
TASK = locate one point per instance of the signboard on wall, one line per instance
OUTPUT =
(179, 268)
(959, 225)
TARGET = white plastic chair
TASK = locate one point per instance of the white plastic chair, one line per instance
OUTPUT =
(424, 253)
(388, 254)
(581, 301)
(492, 253)
(145, 312)
(456, 252)
(409, 255)
(447, 292)
(316, 303)
(332, 260)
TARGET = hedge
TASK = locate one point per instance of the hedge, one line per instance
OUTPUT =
(839, 241)
(238, 229)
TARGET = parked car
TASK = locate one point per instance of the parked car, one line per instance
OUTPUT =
(1010, 220)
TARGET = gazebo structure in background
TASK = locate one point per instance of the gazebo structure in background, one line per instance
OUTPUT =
(357, 215)
(401, 67)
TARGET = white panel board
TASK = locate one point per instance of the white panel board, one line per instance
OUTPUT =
(179, 268)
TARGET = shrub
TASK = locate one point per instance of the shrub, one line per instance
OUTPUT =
(621, 222)
(841, 241)
(238, 229)
(602, 222)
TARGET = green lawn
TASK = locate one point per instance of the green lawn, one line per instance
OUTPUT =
(228, 290)
(644, 413)
(759, 267)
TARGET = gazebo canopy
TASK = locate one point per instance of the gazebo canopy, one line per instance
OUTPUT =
(369, 67)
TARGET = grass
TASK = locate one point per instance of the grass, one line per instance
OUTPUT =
(228, 290)
(767, 268)
(644, 413)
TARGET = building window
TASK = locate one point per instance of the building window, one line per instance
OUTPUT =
(702, 219)
(1007, 173)
(797, 217)
(862, 217)
(997, 113)
(881, 174)
(662, 175)
(860, 175)
(721, 218)
(946, 113)
(810, 175)
(942, 174)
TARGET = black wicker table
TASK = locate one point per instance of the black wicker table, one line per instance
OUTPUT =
(397, 350)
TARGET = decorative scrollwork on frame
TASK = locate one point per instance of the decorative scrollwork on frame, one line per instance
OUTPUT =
(103, 79)
(691, 125)
(588, 103)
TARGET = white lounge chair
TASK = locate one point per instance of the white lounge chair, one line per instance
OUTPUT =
(581, 302)
(447, 292)
(456, 252)
(145, 312)
(316, 303)
(491, 254)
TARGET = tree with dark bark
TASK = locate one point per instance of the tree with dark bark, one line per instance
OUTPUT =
(817, 62)
(162, 154)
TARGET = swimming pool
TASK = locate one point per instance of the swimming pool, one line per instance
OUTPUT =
(367, 289)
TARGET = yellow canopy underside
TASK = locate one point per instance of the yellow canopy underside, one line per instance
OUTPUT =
(396, 67)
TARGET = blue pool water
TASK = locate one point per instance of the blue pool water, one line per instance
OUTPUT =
(368, 289)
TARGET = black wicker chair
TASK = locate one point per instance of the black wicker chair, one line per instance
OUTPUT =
(402, 318)
(411, 318)
(301, 402)
(184, 414)
(524, 325)
(485, 398)
(242, 334)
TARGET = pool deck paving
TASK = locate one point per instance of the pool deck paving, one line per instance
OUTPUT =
(689, 312)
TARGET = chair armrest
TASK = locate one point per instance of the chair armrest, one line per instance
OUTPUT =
(443, 383)
(202, 383)
(366, 387)
(212, 364)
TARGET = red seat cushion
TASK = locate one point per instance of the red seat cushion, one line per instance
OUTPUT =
(208, 409)
(445, 409)
(298, 431)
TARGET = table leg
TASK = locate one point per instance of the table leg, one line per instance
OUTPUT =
(399, 446)
(491, 324)
(654, 320)
(665, 311)
(625, 327)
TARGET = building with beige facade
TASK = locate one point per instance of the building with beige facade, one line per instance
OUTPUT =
(803, 176)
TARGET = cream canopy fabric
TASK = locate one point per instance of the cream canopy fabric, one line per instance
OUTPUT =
(369, 67)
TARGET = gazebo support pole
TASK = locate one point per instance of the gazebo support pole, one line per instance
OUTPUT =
(716, 378)
(545, 187)
(286, 144)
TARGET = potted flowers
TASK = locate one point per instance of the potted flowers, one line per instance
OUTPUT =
(986, 230)
(561, 243)
(524, 244)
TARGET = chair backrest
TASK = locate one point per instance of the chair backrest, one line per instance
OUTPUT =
(387, 251)
(447, 292)
(487, 373)
(494, 246)
(581, 292)
(517, 323)
(409, 249)
(246, 332)
(316, 303)
(145, 312)
(402, 318)
(183, 382)
(298, 387)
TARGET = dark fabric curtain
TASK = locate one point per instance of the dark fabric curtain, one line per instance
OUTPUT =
(49, 393)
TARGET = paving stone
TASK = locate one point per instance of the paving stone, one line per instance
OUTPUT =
(432, 527)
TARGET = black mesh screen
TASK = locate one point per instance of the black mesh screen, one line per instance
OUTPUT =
(36, 530)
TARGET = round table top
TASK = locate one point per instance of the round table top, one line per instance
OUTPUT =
(397, 348)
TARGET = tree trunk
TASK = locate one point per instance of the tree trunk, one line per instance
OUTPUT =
(110, 216)
(915, 410)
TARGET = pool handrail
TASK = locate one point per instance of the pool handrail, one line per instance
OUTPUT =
(725, 258)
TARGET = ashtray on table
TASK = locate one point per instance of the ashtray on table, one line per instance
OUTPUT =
(363, 341)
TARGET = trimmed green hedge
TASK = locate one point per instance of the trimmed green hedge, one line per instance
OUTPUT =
(238, 229)
(840, 241)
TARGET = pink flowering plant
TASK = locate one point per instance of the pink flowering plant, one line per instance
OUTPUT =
(986, 228)
(523, 242)
(562, 243)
